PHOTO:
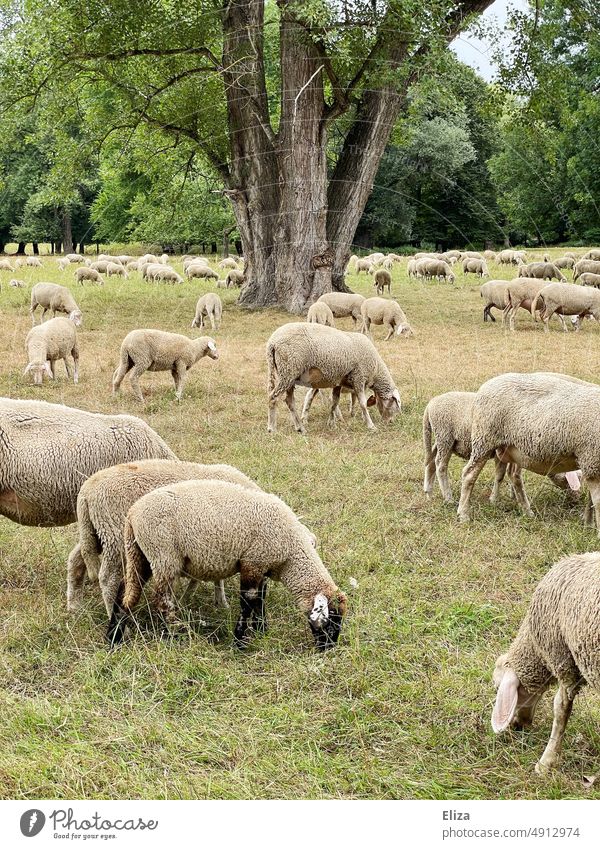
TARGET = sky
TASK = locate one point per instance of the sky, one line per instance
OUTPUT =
(475, 51)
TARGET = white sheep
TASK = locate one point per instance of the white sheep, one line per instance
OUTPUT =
(322, 357)
(74, 257)
(364, 265)
(585, 266)
(211, 306)
(589, 279)
(386, 312)
(51, 296)
(167, 275)
(85, 273)
(116, 269)
(566, 299)
(227, 262)
(381, 279)
(475, 266)
(235, 277)
(342, 304)
(16, 284)
(33, 262)
(46, 343)
(211, 530)
(5, 265)
(320, 313)
(155, 350)
(494, 293)
(200, 270)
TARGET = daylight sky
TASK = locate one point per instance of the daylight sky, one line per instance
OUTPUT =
(476, 52)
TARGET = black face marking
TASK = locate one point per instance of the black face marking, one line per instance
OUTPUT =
(328, 634)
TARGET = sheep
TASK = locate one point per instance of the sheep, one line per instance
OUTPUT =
(589, 279)
(342, 304)
(507, 257)
(101, 265)
(323, 357)
(20, 262)
(155, 350)
(437, 268)
(48, 450)
(382, 278)
(411, 268)
(149, 269)
(85, 273)
(46, 343)
(235, 277)
(521, 292)
(565, 261)
(33, 262)
(543, 422)
(75, 257)
(211, 306)
(200, 270)
(115, 268)
(125, 259)
(214, 529)
(167, 275)
(571, 254)
(228, 262)
(164, 259)
(320, 313)
(585, 266)
(102, 506)
(566, 299)
(475, 266)
(541, 271)
(375, 258)
(450, 256)
(593, 254)
(132, 265)
(51, 296)
(364, 265)
(194, 260)
(386, 312)
(494, 292)
(148, 258)
(5, 265)
(489, 255)
(63, 263)
(557, 642)
(388, 263)
(17, 284)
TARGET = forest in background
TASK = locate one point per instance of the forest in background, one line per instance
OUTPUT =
(467, 163)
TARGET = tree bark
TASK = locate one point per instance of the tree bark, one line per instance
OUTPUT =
(36, 248)
(21, 248)
(67, 232)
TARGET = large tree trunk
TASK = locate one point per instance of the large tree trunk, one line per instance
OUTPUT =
(67, 232)
(21, 248)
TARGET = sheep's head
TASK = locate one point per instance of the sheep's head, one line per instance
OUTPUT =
(76, 317)
(514, 705)
(211, 349)
(389, 406)
(38, 370)
(404, 330)
(325, 619)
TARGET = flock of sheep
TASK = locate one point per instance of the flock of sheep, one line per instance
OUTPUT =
(142, 513)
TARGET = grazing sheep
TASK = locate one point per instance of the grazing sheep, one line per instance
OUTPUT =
(132, 265)
(566, 299)
(19, 263)
(164, 259)
(5, 265)
(364, 265)
(566, 261)
(34, 262)
(593, 254)
(200, 270)
(342, 304)
(490, 256)
(541, 271)
(39, 487)
(193, 260)
(51, 296)
(227, 262)
(148, 258)
(211, 306)
(320, 313)
(382, 278)
(589, 279)
(102, 506)
(235, 277)
(86, 273)
(475, 266)
(74, 257)
(46, 343)
(115, 268)
(585, 266)
(101, 265)
(510, 257)
(388, 263)
(543, 422)
(17, 284)
(411, 268)
(167, 275)
(494, 293)
(323, 357)
(520, 293)
(556, 643)
(125, 259)
(155, 350)
(386, 312)
(211, 530)
(471, 255)
(438, 268)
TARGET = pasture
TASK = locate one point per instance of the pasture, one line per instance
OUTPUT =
(401, 707)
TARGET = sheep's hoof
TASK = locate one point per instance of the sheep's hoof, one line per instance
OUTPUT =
(542, 768)
(464, 518)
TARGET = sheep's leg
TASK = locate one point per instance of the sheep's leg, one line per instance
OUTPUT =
(430, 471)
(362, 400)
(259, 611)
(220, 595)
(563, 705)
(442, 458)
(120, 373)
(594, 495)
(67, 367)
(335, 409)
(251, 607)
(390, 333)
(500, 473)
(212, 320)
(469, 476)
(516, 478)
(134, 377)
(32, 313)
(76, 572)
(366, 327)
(588, 511)
(178, 372)
(75, 355)
(289, 400)
(110, 578)
(309, 398)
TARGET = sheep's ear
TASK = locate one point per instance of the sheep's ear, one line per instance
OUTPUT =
(211, 346)
(372, 401)
(573, 480)
(506, 701)
(320, 611)
(396, 397)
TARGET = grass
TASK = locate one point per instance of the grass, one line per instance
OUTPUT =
(400, 709)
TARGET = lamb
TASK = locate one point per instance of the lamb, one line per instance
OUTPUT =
(323, 357)
(585, 266)
(17, 284)
(49, 342)
(475, 266)
(566, 299)
(542, 271)
(320, 313)
(33, 262)
(556, 643)
(364, 265)
(494, 293)
(228, 262)
(342, 304)
(40, 487)
(235, 277)
(543, 422)
(589, 279)
(167, 275)
(386, 312)
(155, 350)
(5, 265)
(213, 529)
(115, 268)
(200, 270)
(211, 306)
(382, 278)
(85, 273)
(102, 506)
(51, 296)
